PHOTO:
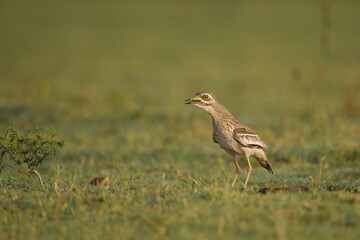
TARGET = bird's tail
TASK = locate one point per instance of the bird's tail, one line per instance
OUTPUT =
(262, 159)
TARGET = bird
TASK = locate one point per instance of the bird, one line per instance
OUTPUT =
(232, 136)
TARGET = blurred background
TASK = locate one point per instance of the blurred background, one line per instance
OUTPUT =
(111, 76)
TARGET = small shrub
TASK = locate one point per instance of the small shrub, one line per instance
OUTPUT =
(29, 151)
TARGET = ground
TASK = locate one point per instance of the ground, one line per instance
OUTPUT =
(111, 79)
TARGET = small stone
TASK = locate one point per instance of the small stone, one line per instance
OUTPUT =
(100, 181)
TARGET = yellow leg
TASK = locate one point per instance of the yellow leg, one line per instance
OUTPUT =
(237, 172)
(248, 171)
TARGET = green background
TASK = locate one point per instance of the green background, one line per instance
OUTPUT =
(111, 78)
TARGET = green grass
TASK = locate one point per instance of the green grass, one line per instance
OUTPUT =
(111, 79)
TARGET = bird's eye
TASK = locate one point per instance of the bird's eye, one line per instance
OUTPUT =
(205, 97)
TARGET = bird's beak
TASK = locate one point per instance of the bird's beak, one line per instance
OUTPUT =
(191, 100)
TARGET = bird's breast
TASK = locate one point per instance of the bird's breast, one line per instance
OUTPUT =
(223, 135)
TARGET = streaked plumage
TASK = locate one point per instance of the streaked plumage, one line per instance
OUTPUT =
(232, 136)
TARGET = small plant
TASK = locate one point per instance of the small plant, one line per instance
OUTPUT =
(27, 152)
(317, 182)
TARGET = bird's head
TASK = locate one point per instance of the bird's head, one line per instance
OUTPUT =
(203, 100)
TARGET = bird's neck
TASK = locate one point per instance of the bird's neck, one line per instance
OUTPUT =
(219, 112)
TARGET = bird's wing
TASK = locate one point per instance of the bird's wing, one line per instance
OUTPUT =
(249, 138)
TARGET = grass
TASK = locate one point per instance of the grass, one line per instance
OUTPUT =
(111, 79)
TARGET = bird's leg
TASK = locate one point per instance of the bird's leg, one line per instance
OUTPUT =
(237, 172)
(248, 171)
